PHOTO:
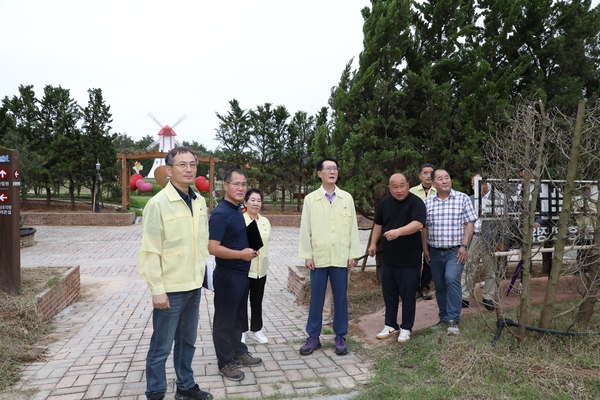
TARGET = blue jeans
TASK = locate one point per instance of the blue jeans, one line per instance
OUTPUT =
(339, 287)
(178, 324)
(446, 272)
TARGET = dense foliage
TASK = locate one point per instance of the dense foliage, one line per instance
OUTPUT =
(436, 79)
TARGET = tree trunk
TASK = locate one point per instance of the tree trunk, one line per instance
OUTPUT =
(563, 222)
(72, 193)
(525, 305)
(282, 199)
(592, 279)
(48, 197)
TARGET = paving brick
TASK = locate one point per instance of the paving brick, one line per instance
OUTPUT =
(104, 340)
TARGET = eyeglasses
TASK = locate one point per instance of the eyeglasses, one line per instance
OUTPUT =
(182, 165)
(328, 169)
(238, 184)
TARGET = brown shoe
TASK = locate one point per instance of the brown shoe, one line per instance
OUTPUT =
(231, 372)
(246, 360)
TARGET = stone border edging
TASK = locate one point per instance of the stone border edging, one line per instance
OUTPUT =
(80, 219)
(61, 295)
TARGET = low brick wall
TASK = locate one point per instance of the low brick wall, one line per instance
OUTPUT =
(80, 219)
(61, 295)
(298, 282)
(294, 220)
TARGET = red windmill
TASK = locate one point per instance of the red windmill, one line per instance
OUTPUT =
(165, 141)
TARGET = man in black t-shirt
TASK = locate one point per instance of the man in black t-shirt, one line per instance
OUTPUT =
(399, 219)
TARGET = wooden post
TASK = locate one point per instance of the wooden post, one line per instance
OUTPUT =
(10, 237)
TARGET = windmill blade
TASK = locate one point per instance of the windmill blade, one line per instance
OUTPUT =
(153, 145)
(155, 120)
(179, 121)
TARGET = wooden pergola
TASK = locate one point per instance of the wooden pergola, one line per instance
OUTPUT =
(145, 155)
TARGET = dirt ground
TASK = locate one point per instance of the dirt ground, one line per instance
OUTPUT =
(366, 307)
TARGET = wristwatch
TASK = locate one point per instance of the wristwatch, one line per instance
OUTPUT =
(466, 246)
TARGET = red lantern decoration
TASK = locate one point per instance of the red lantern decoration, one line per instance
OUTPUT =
(202, 184)
(134, 178)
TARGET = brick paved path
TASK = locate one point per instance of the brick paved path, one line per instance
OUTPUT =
(102, 340)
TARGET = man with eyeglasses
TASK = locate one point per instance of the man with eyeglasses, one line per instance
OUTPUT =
(228, 242)
(330, 245)
(172, 261)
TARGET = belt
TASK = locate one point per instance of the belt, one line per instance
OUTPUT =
(445, 248)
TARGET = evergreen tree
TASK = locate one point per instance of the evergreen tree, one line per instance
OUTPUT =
(19, 131)
(98, 141)
(232, 133)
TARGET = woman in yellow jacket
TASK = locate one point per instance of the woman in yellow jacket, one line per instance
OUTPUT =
(258, 269)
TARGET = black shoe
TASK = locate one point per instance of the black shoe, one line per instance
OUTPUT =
(440, 325)
(156, 396)
(489, 304)
(426, 294)
(465, 304)
(193, 393)
(419, 294)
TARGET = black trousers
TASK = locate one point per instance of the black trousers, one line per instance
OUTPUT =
(231, 314)
(425, 276)
(399, 282)
(256, 294)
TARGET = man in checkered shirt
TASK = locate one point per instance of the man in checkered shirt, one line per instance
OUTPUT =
(446, 237)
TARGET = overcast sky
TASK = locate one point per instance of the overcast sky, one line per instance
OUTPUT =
(180, 56)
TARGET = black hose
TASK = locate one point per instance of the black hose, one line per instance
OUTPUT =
(509, 322)
(499, 326)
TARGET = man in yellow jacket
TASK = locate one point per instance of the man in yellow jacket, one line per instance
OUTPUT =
(330, 244)
(172, 261)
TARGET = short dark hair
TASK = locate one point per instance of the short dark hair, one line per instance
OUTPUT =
(322, 160)
(178, 150)
(426, 165)
(436, 170)
(251, 191)
(230, 172)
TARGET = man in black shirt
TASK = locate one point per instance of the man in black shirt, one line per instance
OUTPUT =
(399, 219)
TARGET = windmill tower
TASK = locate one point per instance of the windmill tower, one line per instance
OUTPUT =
(165, 141)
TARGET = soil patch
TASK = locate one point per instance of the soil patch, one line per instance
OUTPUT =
(24, 331)
(366, 309)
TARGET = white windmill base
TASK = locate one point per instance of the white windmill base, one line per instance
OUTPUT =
(157, 163)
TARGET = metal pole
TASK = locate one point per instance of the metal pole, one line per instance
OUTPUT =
(97, 198)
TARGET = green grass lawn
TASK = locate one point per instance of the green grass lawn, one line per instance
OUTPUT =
(433, 365)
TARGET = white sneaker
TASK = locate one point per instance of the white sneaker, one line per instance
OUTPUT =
(386, 332)
(243, 337)
(258, 336)
(404, 335)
